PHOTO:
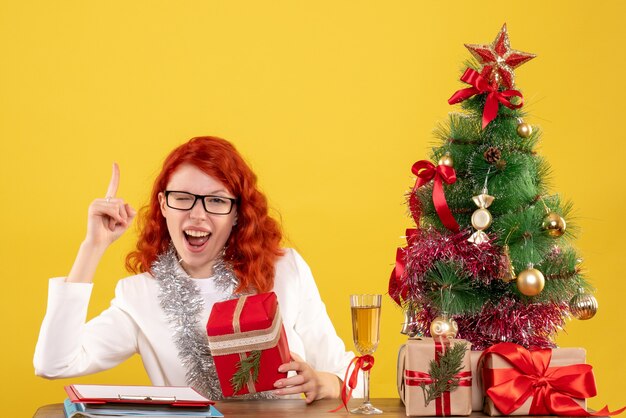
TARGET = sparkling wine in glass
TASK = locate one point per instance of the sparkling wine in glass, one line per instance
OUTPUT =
(365, 331)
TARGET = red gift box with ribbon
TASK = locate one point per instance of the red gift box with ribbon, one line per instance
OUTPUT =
(248, 343)
(517, 381)
(413, 365)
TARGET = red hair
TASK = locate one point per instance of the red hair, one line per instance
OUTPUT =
(254, 243)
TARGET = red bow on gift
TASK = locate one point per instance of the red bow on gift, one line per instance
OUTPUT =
(364, 363)
(480, 84)
(552, 389)
(426, 171)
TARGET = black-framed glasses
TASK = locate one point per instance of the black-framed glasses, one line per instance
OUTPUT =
(217, 205)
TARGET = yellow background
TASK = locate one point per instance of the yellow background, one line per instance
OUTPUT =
(330, 101)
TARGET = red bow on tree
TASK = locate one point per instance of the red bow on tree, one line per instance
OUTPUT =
(425, 172)
(397, 290)
(480, 85)
(552, 389)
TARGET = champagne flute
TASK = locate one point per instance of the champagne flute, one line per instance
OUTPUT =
(365, 331)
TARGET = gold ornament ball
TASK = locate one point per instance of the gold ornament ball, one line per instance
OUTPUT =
(554, 225)
(446, 160)
(524, 130)
(583, 306)
(530, 282)
(444, 327)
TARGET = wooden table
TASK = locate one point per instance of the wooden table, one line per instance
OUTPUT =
(392, 407)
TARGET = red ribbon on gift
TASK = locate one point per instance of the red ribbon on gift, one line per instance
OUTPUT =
(552, 388)
(465, 378)
(395, 289)
(416, 378)
(364, 363)
(425, 172)
(480, 85)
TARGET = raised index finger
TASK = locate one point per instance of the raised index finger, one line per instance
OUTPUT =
(115, 181)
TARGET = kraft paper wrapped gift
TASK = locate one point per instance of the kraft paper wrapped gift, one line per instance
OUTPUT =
(240, 328)
(413, 365)
(478, 397)
(496, 370)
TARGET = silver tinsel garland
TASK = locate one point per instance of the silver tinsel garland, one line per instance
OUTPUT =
(182, 303)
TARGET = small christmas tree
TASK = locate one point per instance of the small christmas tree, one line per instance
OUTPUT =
(490, 256)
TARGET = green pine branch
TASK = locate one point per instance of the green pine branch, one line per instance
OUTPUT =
(444, 373)
(452, 290)
(244, 367)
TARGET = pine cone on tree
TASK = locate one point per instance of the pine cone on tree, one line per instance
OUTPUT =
(492, 155)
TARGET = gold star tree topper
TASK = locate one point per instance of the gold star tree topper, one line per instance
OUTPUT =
(499, 59)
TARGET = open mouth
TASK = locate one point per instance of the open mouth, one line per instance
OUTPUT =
(195, 238)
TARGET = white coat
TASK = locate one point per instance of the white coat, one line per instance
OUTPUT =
(135, 323)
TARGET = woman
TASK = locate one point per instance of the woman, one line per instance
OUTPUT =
(205, 236)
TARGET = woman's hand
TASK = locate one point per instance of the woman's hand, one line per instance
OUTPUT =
(108, 218)
(315, 385)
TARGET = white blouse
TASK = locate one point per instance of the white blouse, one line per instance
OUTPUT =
(135, 323)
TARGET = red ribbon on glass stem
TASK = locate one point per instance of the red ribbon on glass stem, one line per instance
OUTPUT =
(364, 363)
(481, 85)
(552, 388)
(426, 171)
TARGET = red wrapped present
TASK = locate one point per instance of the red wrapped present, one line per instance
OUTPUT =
(414, 379)
(517, 381)
(248, 343)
